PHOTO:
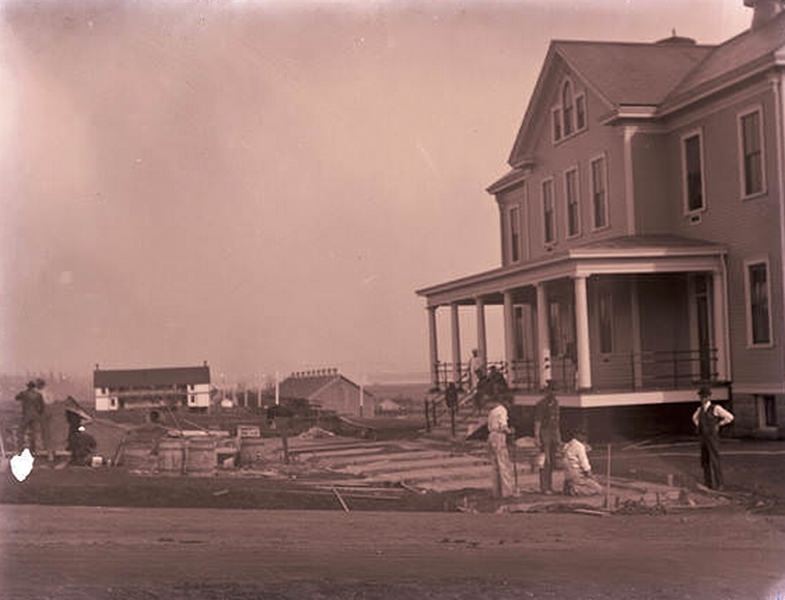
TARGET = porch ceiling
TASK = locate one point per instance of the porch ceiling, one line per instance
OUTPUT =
(615, 256)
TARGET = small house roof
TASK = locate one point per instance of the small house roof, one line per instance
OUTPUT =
(308, 386)
(108, 378)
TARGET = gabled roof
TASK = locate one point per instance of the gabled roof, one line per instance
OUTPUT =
(636, 74)
(619, 73)
(308, 386)
(731, 57)
(150, 377)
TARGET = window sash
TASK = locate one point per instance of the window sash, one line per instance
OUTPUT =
(599, 196)
(556, 124)
(547, 209)
(759, 303)
(515, 237)
(580, 112)
(752, 153)
(693, 172)
(571, 189)
(567, 108)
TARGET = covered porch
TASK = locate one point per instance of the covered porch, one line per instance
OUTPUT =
(639, 319)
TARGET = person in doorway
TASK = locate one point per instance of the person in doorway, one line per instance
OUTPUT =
(547, 434)
(708, 419)
(32, 417)
(502, 478)
(578, 480)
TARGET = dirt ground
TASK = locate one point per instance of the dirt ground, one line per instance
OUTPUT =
(82, 533)
(80, 553)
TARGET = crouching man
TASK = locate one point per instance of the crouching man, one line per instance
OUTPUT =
(578, 479)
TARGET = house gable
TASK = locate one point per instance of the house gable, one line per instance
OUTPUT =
(617, 74)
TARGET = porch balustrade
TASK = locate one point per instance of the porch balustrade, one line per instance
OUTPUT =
(619, 372)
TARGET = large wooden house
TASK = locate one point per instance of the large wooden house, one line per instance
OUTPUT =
(642, 230)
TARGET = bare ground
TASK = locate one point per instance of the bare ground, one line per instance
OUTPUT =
(101, 553)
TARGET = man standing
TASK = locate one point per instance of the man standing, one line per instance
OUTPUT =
(32, 415)
(502, 482)
(46, 418)
(578, 479)
(547, 434)
(476, 369)
(708, 418)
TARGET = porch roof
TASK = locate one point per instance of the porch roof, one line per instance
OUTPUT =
(619, 255)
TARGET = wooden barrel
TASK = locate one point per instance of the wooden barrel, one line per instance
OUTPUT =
(171, 455)
(200, 456)
(251, 451)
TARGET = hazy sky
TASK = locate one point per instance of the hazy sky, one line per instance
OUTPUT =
(264, 184)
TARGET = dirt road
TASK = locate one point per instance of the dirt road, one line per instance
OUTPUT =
(134, 553)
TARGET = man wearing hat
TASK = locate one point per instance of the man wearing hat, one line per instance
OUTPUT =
(708, 418)
(547, 434)
(32, 416)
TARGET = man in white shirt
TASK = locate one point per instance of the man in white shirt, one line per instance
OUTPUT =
(476, 369)
(708, 418)
(502, 479)
(578, 479)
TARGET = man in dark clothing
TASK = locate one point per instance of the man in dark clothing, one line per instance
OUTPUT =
(32, 416)
(547, 434)
(708, 418)
(451, 400)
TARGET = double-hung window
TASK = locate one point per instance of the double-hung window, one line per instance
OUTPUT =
(692, 162)
(548, 216)
(567, 108)
(573, 206)
(751, 153)
(556, 132)
(599, 192)
(758, 303)
(514, 224)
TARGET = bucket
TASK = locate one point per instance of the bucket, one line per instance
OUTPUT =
(170, 456)
(251, 451)
(200, 456)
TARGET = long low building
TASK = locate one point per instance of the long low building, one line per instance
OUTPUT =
(134, 389)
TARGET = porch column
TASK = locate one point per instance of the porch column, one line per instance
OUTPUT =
(543, 335)
(434, 346)
(482, 346)
(509, 334)
(582, 333)
(456, 343)
(718, 318)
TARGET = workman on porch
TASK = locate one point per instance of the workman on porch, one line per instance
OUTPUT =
(502, 479)
(708, 418)
(547, 434)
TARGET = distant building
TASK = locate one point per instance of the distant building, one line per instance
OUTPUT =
(329, 390)
(642, 231)
(132, 389)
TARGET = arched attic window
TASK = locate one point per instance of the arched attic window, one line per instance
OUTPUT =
(567, 108)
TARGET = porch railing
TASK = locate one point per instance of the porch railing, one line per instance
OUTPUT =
(624, 371)
(445, 372)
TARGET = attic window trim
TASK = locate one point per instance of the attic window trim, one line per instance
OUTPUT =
(559, 124)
